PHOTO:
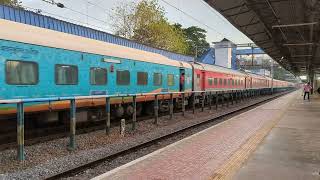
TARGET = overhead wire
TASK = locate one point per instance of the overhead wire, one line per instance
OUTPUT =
(214, 12)
(106, 11)
(40, 11)
(195, 19)
(76, 11)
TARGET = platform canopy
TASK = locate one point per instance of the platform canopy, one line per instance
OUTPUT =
(287, 30)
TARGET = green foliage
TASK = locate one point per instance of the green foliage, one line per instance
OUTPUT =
(162, 35)
(122, 19)
(14, 3)
(148, 12)
(196, 39)
(145, 22)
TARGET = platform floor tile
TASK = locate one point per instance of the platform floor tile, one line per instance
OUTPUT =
(200, 155)
(292, 149)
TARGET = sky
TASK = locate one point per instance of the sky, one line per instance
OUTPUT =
(96, 14)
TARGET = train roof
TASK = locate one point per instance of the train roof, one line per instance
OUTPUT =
(35, 19)
(258, 76)
(24, 33)
(210, 67)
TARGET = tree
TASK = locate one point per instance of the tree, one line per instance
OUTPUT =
(145, 22)
(122, 19)
(14, 3)
(162, 35)
(196, 39)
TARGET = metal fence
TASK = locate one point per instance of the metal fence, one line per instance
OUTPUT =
(212, 98)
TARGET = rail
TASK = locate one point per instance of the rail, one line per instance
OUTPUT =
(234, 95)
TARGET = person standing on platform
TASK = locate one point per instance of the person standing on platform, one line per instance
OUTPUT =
(306, 89)
(182, 79)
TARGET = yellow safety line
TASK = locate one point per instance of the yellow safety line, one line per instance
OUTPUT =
(234, 163)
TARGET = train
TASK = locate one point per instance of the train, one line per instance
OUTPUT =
(39, 63)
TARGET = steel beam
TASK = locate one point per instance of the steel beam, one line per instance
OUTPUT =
(171, 106)
(239, 13)
(257, 33)
(294, 25)
(108, 115)
(302, 55)
(72, 138)
(134, 115)
(234, 7)
(156, 109)
(298, 44)
(20, 131)
(250, 24)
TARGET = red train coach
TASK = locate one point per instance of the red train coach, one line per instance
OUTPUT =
(209, 77)
(257, 81)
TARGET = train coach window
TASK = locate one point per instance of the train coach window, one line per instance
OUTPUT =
(170, 80)
(21, 73)
(123, 77)
(210, 82)
(215, 81)
(142, 78)
(232, 82)
(225, 82)
(157, 79)
(66, 74)
(198, 80)
(98, 76)
(220, 81)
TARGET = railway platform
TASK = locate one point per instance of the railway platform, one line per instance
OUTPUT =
(291, 150)
(278, 139)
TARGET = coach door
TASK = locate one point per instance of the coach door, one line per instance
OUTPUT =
(182, 79)
(203, 80)
(247, 82)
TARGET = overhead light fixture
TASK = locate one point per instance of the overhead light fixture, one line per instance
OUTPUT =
(298, 44)
(294, 25)
(303, 77)
(303, 55)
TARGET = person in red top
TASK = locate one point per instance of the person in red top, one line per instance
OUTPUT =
(306, 89)
(182, 82)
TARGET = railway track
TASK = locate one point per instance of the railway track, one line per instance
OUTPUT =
(202, 125)
(55, 131)
(36, 136)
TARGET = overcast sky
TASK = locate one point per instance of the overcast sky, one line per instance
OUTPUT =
(99, 15)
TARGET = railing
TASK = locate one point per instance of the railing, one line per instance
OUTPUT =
(234, 95)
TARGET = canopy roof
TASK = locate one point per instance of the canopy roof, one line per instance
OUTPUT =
(287, 30)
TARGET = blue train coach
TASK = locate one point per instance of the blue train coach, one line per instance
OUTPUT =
(37, 62)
